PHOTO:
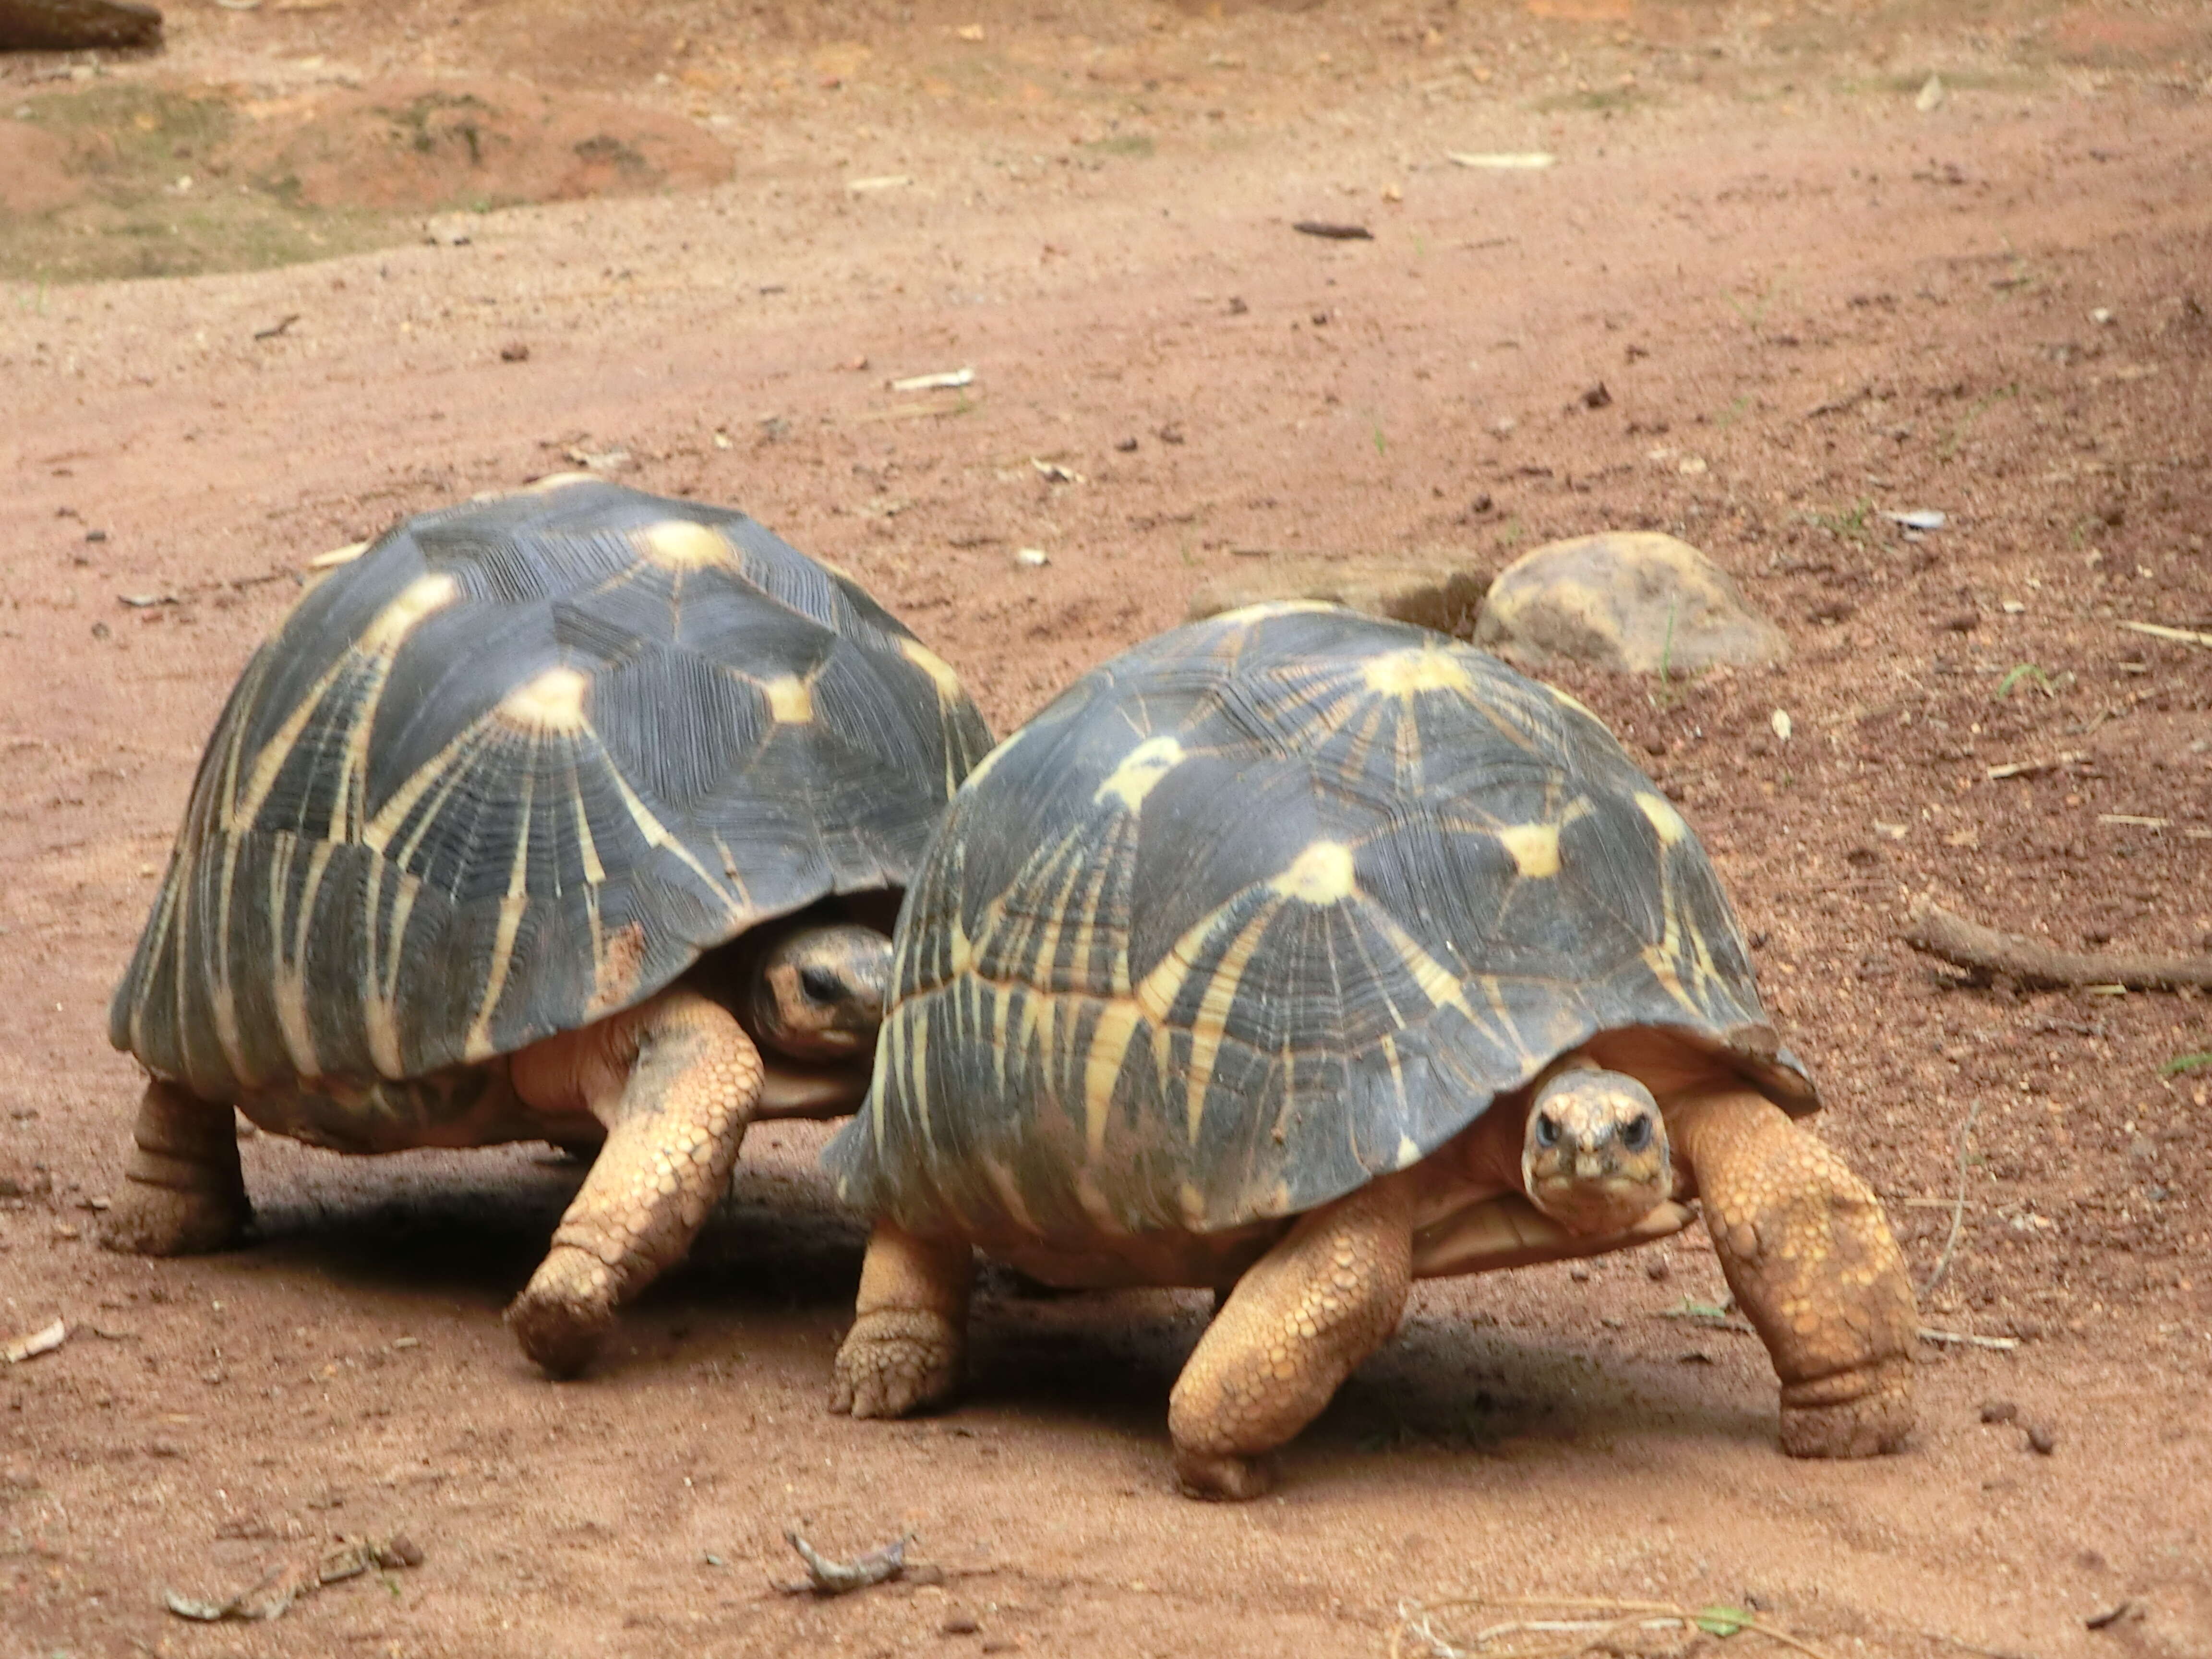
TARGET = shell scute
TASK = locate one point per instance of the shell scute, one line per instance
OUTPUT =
(517, 766)
(1265, 908)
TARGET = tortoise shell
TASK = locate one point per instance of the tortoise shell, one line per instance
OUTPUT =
(513, 769)
(1265, 908)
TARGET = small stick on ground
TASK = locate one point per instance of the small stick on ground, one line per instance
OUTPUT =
(1958, 1206)
(1564, 1627)
(1965, 943)
(827, 1577)
(299, 1575)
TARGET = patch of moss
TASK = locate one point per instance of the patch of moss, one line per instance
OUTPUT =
(159, 199)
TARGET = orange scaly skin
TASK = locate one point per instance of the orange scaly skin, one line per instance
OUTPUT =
(676, 1080)
(1296, 1325)
(183, 1194)
(1811, 1260)
(910, 1326)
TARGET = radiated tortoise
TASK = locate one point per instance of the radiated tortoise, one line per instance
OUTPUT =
(1300, 956)
(577, 814)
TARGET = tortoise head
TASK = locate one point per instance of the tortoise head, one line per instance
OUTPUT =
(818, 992)
(1595, 1156)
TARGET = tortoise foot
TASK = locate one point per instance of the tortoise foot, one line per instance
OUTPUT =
(184, 1193)
(1860, 1414)
(896, 1360)
(565, 1311)
(1220, 1478)
(147, 1219)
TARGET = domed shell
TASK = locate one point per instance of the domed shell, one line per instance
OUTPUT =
(513, 769)
(1267, 907)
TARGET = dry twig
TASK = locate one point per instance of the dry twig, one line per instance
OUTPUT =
(827, 1577)
(297, 1575)
(1937, 932)
(1957, 1205)
(1575, 1625)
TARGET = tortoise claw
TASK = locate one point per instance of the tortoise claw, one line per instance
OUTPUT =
(1861, 1413)
(565, 1311)
(1222, 1478)
(896, 1360)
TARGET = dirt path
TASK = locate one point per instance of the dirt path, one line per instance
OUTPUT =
(1810, 303)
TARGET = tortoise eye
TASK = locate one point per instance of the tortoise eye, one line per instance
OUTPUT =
(1547, 1129)
(1638, 1133)
(820, 985)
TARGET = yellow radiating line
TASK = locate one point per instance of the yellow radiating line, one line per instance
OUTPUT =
(1210, 1021)
(1110, 1044)
(1045, 938)
(1434, 979)
(1487, 708)
(383, 1021)
(879, 1076)
(589, 849)
(732, 873)
(226, 998)
(1367, 730)
(380, 642)
(1493, 995)
(917, 1062)
(1397, 1076)
(440, 768)
(273, 754)
(1010, 1195)
(353, 778)
(165, 943)
(652, 829)
(292, 1014)
(234, 749)
(598, 937)
(1663, 957)
(1002, 999)
(158, 941)
(510, 909)
(1084, 945)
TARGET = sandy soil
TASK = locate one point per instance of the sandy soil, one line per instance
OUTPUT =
(1811, 302)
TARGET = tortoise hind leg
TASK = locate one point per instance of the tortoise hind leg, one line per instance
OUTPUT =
(183, 1194)
(910, 1325)
(676, 1081)
(1811, 1260)
(1296, 1325)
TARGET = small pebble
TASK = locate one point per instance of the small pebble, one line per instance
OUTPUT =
(2042, 1439)
(959, 1624)
(1658, 1268)
(1580, 1274)
(1999, 1411)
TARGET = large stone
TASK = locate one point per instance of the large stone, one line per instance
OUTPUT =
(1432, 594)
(1627, 599)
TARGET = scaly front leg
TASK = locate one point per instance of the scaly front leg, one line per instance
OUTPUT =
(1296, 1325)
(909, 1326)
(675, 1121)
(1810, 1255)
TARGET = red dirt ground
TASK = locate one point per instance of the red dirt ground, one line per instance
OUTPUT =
(1811, 302)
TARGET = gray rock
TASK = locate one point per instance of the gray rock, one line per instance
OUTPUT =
(1627, 599)
(1432, 594)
